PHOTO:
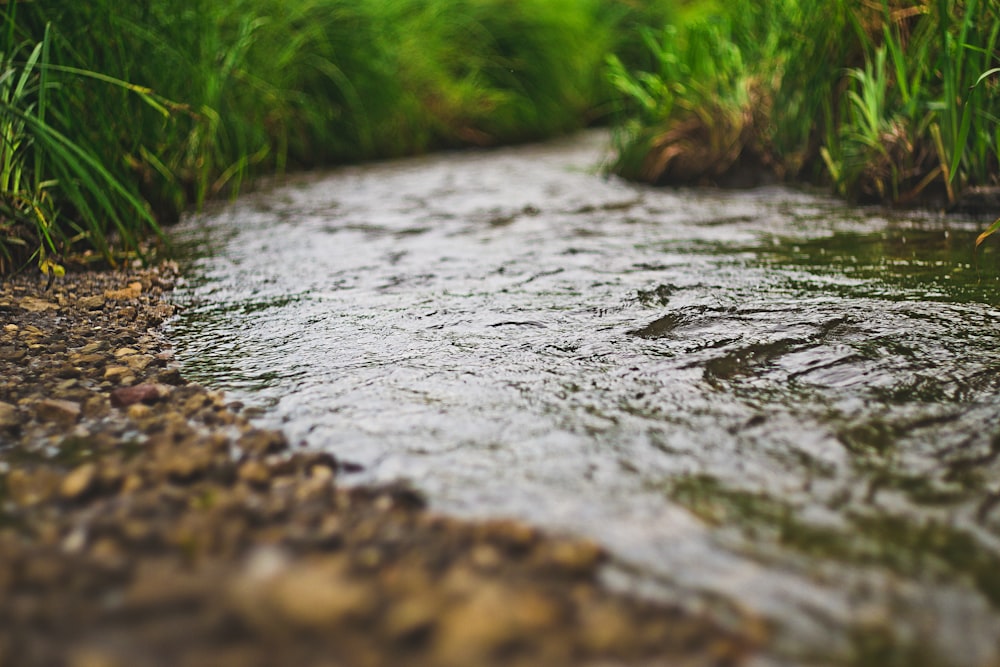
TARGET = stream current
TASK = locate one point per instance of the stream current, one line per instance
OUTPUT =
(766, 404)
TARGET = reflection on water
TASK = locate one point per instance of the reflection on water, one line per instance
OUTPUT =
(766, 403)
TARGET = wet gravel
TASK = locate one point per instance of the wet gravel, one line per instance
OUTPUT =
(144, 522)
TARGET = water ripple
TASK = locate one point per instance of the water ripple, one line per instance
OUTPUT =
(765, 397)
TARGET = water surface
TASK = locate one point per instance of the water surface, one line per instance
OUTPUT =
(766, 403)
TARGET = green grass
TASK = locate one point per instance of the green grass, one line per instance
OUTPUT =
(109, 132)
(893, 102)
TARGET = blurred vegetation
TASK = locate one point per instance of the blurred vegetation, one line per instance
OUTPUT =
(892, 101)
(117, 115)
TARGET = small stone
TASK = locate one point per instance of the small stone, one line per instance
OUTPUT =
(66, 370)
(56, 410)
(132, 291)
(116, 373)
(255, 473)
(196, 403)
(265, 562)
(30, 488)
(188, 465)
(89, 656)
(67, 384)
(92, 302)
(11, 328)
(89, 359)
(491, 617)
(261, 443)
(125, 352)
(411, 617)
(323, 475)
(577, 557)
(171, 376)
(513, 535)
(139, 362)
(140, 393)
(139, 412)
(486, 557)
(33, 305)
(9, 417)
(75, 541)
(316, 598)
(80, 482)
(96, 406)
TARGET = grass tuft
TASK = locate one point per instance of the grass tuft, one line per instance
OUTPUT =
(107, 133)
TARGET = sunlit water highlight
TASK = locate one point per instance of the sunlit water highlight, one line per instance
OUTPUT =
(763, 402)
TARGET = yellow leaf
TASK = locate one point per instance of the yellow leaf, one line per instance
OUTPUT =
(989, 230)
(57, 269)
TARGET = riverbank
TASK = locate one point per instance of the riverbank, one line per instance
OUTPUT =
(145, 521)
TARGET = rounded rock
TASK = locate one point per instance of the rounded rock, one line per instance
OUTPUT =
(80, 482)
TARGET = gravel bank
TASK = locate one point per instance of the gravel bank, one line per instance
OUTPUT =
(145, 522)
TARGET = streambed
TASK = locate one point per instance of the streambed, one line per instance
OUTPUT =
(766, 403)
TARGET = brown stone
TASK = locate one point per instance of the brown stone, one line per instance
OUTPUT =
(571, 556)
(310, 597)
(140, 393)
(260, 442)
(117, 373)
(34, 305)
(255, 473)
(132, 291)
(88, 359)
(138, 362)
(171, 376)
(55, 410)
(30, 488)
(10, 419)
(92, 302)
(80, 482)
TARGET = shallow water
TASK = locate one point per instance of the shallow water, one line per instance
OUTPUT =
(766, 403)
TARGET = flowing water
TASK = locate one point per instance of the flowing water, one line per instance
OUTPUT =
(765, 403)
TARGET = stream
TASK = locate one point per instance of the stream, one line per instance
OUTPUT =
(766, 404)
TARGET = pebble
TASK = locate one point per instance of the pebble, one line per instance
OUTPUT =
(153, 529)
(116, 373)
(255, 473)
(140, 393)
(317, 597)
(9, 417)
(34, 305)
(78, 483)
(92, 302)
(139, 362)
(132, 291)
(57, 410)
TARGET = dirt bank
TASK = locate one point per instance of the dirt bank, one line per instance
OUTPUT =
(144, 521)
